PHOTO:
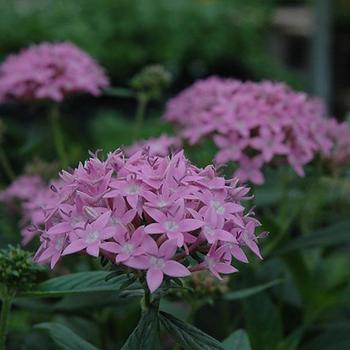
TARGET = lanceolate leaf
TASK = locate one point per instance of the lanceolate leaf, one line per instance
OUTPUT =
(247, 292)
(146, 334)
(331, 235)
(77, 283)
(238, 340)
(188, 336)
(263, 322)
(64, 337)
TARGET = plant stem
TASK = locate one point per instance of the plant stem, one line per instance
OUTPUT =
(5, 313)
(58, 135)
(6, 164)
(142, 101)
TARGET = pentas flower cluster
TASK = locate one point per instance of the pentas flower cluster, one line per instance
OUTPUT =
(252, 123)
(150, 213)
(50, 71)
(34, 197)
(156, 146)
(339, 133)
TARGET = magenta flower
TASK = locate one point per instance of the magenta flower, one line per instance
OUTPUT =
(216, 263)
(252, 124)
(149, 213)
(50, 71)
(159, 263)
(176, 227)
(126, 246)
(91, 237)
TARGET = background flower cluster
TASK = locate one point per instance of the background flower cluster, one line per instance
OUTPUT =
(254, 123)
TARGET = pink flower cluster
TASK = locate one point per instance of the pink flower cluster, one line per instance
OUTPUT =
(34, 197)
(339, 133)
(150, 213)
(50, 71)
(156, 146)
(252, 123)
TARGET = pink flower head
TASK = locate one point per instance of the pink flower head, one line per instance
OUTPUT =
(252, 123)
(150, 213)
(50, 71)
(33, 197)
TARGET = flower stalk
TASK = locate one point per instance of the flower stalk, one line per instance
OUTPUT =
(6, 165)
(142, 101)
(4, 318)
(58, 135)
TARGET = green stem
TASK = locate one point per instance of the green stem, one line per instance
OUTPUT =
(58, 135)
(5, 313)
(142, 101)
(6, 164)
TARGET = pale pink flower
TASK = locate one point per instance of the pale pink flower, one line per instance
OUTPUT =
(252, 120)
(159, 263)
(50, 71)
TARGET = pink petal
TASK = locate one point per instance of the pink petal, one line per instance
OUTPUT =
(112, 194)
(133, 200)
(233, 207)
(224, 268)
(122, 257)
(188, 225)
(74, 247)
(111, 247)
(168, 249)
(62, 227)
(154, 228)
(155, 214)
(102, 220)
(129, 216)
(238, 253)
(93, 249)
(225, 236)
(175, 269)
(139, 262)
(154, 279)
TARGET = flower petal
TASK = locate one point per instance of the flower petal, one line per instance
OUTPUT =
(175, 269)
(154, 279)
(74, 247)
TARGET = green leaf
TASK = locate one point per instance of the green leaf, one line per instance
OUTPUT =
(332, 235)
(77, 283)
(263, 322)
(247, 292)
(188, 336)
(146, 335)
(331, 340)
(238, 340)
(64, 337)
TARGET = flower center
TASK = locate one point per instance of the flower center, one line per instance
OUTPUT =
(208, 230)
(171, 226)
(157, 263)
(92, 237)
(210, 261)
(114, 221)
(133, 189)
(218, 207)
(162, 203)
(128, 248)
(77, 221)
(59, 244)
